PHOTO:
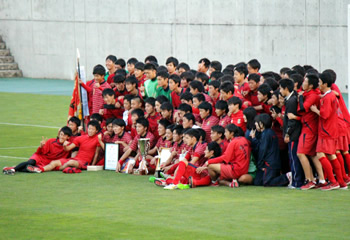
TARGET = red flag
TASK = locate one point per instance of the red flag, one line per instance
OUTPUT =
(75, 104)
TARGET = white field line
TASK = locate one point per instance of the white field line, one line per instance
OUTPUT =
(7, 148)
(1, 156)
(28, 125)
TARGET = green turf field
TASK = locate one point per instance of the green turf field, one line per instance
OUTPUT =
(106, 205)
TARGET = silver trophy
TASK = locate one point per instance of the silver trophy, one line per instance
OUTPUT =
(144, 146)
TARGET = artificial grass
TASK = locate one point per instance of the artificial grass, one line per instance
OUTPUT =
(107, 205)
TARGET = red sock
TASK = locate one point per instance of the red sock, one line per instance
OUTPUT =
(180, 172)
(169, 181)
(327, 169)
(337, 170)
(204, 181)
(341, 163)
(347, 160)
(42, 169)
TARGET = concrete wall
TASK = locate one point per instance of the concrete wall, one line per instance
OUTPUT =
(43, 34)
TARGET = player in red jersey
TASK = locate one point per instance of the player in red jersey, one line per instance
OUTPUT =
(152, 116)
(218, 135)
(235, 112)
(205, 111)
(221, 110)
(49, 150)
(176, 90)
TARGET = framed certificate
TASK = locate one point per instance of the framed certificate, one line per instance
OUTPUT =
(164, 155)
(111, 156)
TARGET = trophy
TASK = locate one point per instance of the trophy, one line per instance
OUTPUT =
(144, 146)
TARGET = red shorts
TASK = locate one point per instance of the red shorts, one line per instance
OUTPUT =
(343, 143)
(227, 172)
(326, 145)
(307, 144)
(82, 164)
(41, 161)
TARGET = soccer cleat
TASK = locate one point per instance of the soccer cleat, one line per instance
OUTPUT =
(9, 170)
(320, 185)
(191, 182)
(183, 186)
(33, 169)
(343, 186)
(347, 181)
(160, 182)
(330, 186)
(308, 185)
(234, 184)
(170, 187)
(163, 175)
(151, 179)
(214, 184)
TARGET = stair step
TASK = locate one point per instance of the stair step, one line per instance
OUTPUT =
(10, 73)
(8, 66)
(7, 59)
(5, 52)
(2, 45)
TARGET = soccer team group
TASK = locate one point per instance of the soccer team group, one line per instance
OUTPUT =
(233, 126)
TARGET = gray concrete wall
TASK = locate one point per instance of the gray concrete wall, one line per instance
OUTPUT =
(43, 34)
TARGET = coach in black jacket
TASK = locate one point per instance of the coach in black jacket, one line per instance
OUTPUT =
(291, 131)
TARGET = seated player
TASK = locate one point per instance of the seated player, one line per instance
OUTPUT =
(205, 111)
(235, 112)
(87, 151)
(111, 108)
(217, 135)
(181, 111)
(221, 110)
(108, 137)
(49, 150)
(226, 169)
(122, 137)
(135, 114)
(268, 158)
(127, 108)
(142, 132)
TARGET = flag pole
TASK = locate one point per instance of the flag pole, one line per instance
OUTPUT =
(80, 94)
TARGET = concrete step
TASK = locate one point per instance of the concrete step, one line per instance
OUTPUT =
(8, 66)
(7, 59)
(2, 45)
(5, 52)
(10, 73)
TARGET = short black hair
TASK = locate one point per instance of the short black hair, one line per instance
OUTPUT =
(235, 100)
(216, 65)
(164, 122)
(326, 78)
(227, 78)
(214, 146)
(143, 121)
(95, 124)
(119, 78)
(162, 99)
(109, 121)
(112, 58)
(250, 114)
(219, 129)
(200, 97)
(297, 78)
(206, 62)
(290, 72)
(172, 60)
(140, 66)
(151, 58)
(222, 105)
(108, 92)
(313, 80)
(66, 131)
(96, 116)
(162, 69)
(163, 74)
(190, 117)
(299, 69)
(265, 119)
(185, 108)
(121, 62)
(178, 129)
(176, 78)
(119, 122)
(167, 106)
(227, 87)
(265, 89)
(75, 120)
(99, 69)
(150, 66)
(193, 133)
(188, 75)
(204, 77)
(242, 69)
(151, 101)
(187, 96)
(132, 61)
(237, 131)
(284, 70)
(183, 65)
(254, 77)
(138, 112)
(197, 85)
(132, 80)
(332, 73)
(216, 75)
(228, 71)
(128, 97)
(202, 134)
(216, 84)
(272, 83)
(122, 72)
(206, 106)
(254, 63)
(287, 83)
